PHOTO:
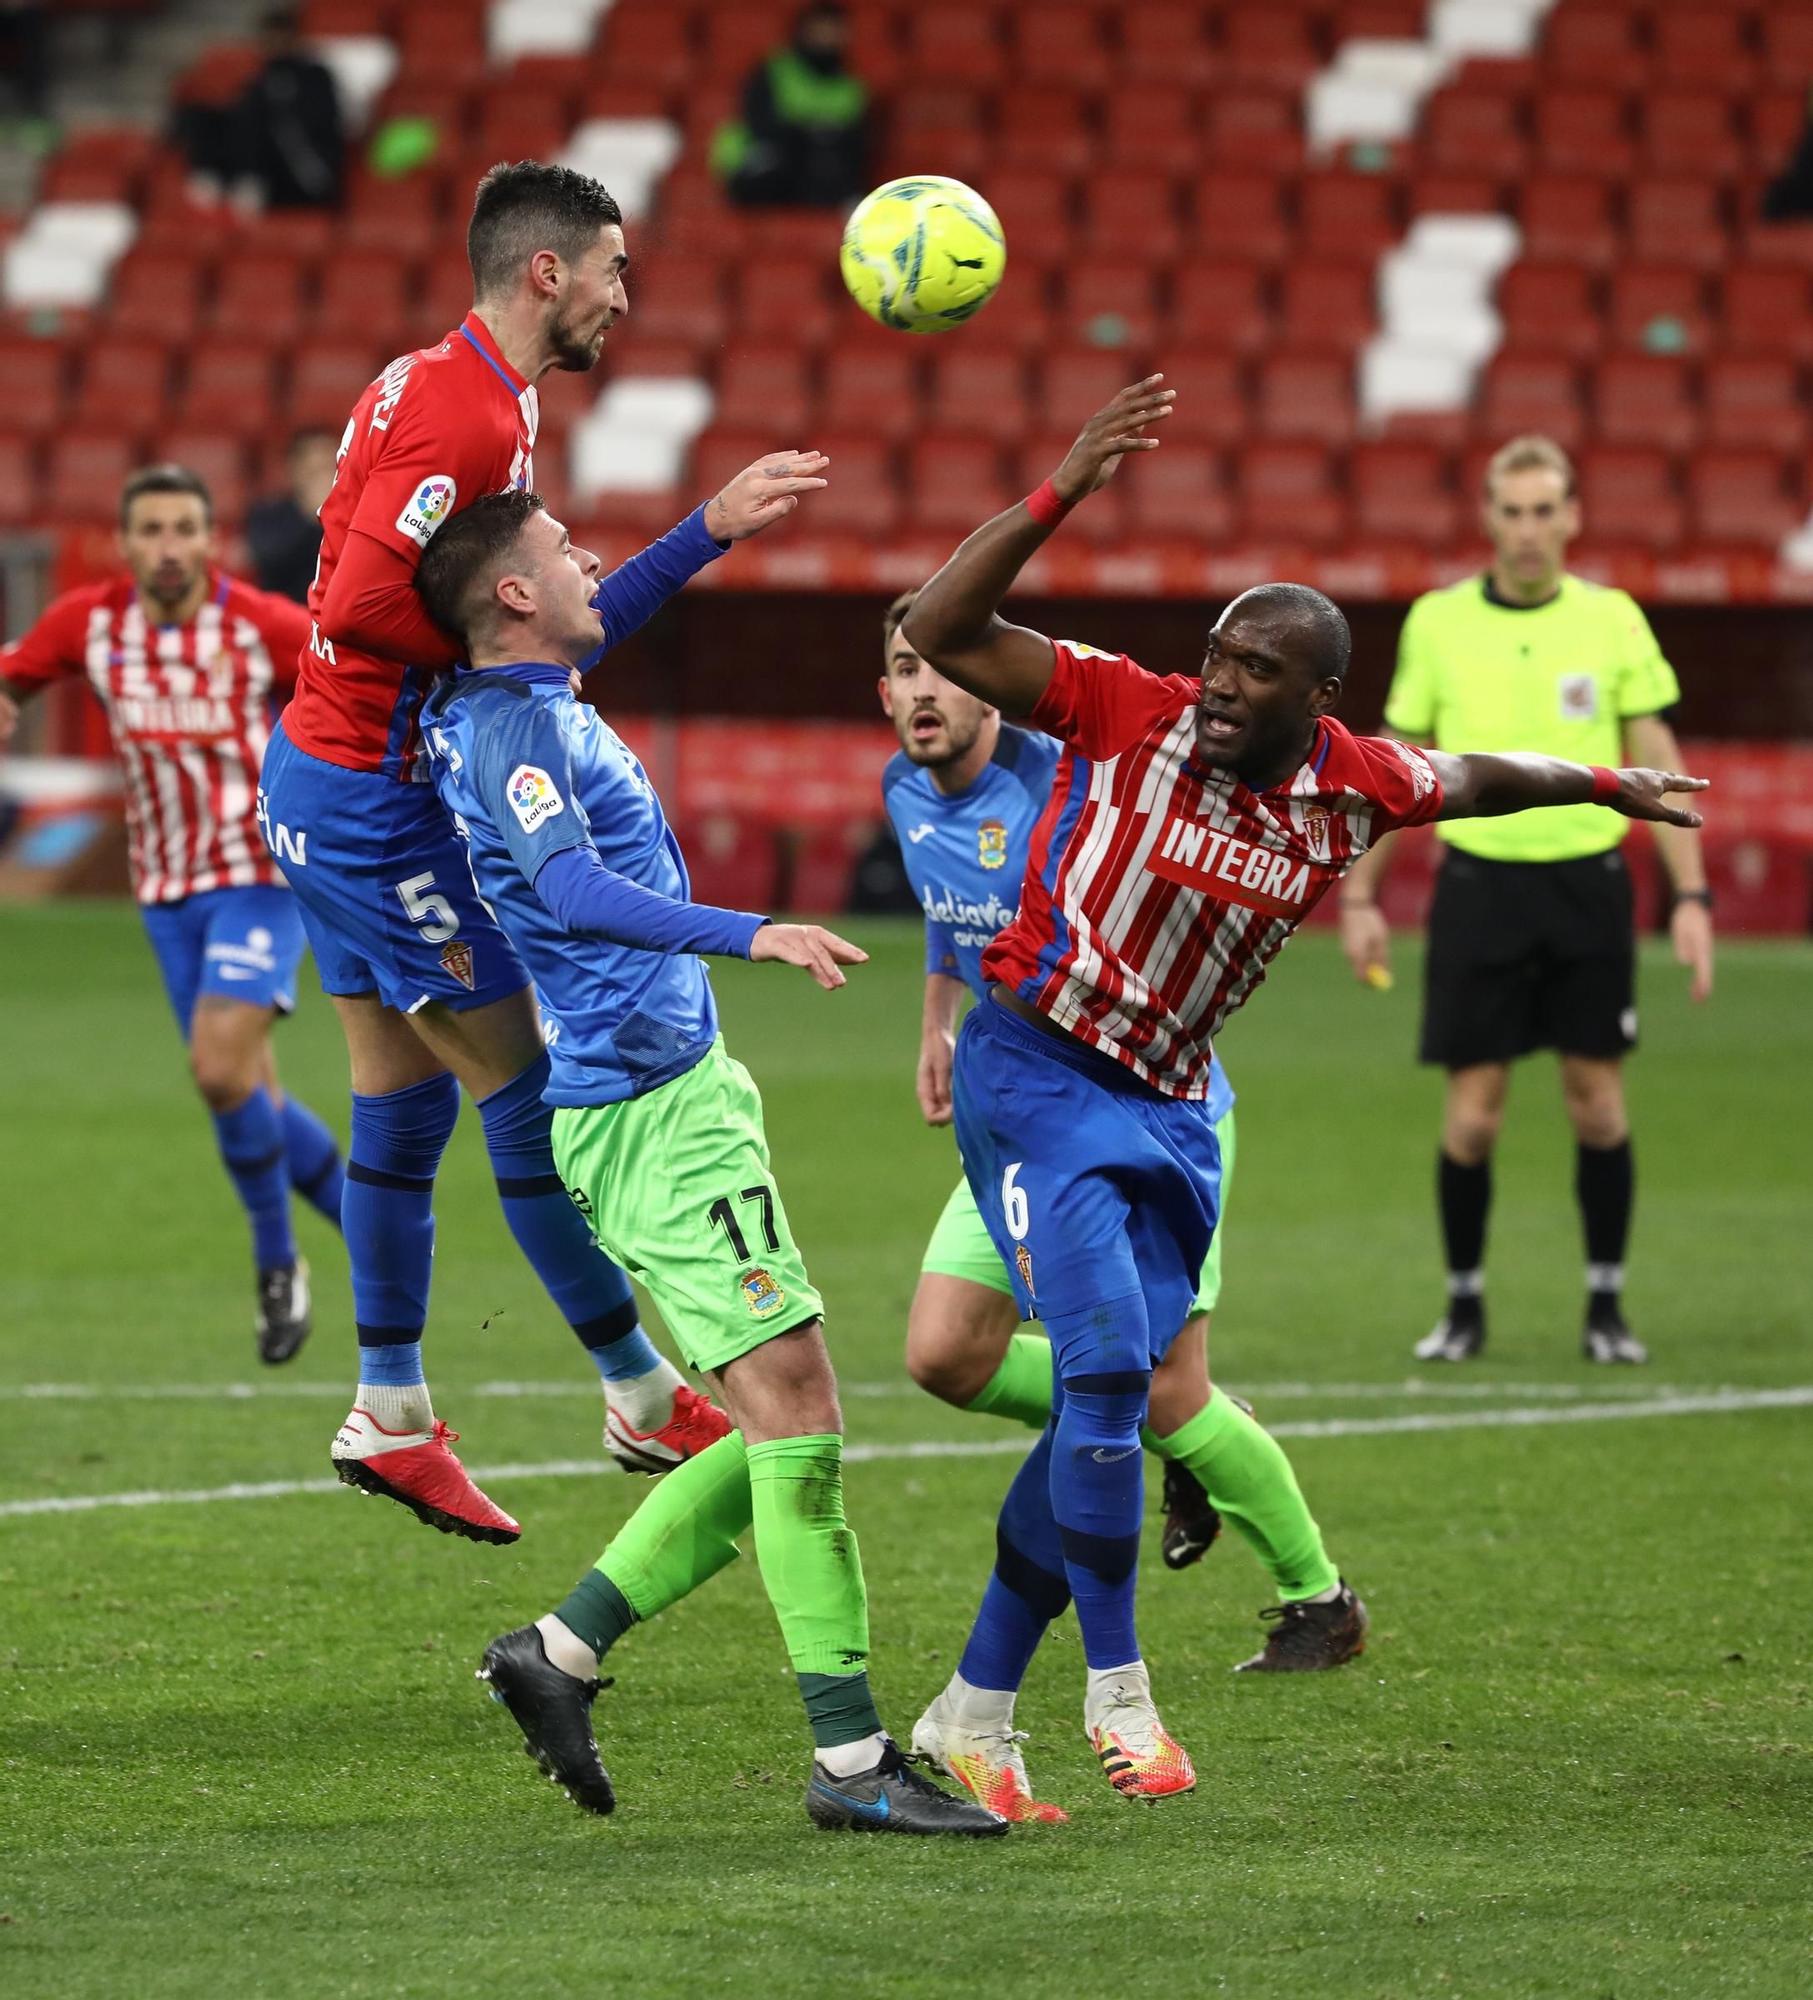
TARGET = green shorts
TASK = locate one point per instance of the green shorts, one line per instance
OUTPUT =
(677, 1188)
(962, 1248)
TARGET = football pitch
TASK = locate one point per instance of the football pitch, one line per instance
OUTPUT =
(241, 1746)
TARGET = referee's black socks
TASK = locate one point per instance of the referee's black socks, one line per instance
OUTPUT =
(1464, 1194)
(1605, 1182)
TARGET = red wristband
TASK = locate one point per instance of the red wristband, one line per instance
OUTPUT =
(1607, 785)
(1047, 505)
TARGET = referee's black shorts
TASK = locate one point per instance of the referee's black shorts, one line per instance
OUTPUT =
(1527, 955)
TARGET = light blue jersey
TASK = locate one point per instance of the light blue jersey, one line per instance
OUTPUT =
(527, 771)
(965, 855)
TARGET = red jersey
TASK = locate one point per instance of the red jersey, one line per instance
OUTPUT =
(190, 707)
(1157, 894)
(438, 428)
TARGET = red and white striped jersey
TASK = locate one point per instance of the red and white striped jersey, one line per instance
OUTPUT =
(1156, 894)
(190, 706)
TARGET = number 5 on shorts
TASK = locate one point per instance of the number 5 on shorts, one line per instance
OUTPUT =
(429, 911)
(1013, 1204)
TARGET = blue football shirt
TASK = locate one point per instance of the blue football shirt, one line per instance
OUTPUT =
(526, 770)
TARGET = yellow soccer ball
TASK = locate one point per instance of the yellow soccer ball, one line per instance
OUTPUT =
(922, 255)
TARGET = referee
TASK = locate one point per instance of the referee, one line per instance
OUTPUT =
(1530, 942)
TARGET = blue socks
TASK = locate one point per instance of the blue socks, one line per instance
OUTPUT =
(388, 1218)
(592, 1294)
(1028, 1588)
(313, 1158)
(251, 1144)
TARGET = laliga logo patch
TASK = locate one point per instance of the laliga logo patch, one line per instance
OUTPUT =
(991, 844)
(761, 1294)
(457, 958)
(1023, 1264)
(533, 797)
(427, 507)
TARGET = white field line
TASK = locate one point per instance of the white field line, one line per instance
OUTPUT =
(1715, 1403)
(1413, 1388)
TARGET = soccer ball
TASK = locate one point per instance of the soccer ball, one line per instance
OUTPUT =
(922, 255)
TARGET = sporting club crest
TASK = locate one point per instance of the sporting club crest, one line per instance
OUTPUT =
(456, 956)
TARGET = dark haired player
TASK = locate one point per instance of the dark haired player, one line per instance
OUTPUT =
(188, 663)
(1193, 824)
(428, 990)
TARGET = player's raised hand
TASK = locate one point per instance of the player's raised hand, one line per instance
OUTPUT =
(821, 952)
(9, 718)
(1644, 795)
(763, 493)
(1115, 429)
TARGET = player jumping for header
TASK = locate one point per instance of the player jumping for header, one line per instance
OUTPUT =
(1193, 824)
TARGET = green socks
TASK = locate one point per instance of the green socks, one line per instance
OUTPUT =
(1021, 1387)
(1247, 1477)
(681, 1535)
(813, 1573)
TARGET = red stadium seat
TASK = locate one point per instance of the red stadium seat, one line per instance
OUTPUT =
(1043, 126)
(650, 41)
(33, 380)
(1383, 20)
(1677, 222)
(1166, 42)
(1600, 42)
(1347, 215)
(960, 42)
(1568, 220)
(1584, 131)
(1131, 204)
(1628, 496)
(865, 490)
(784, 299)
(156, 294)
(1531, 393)
(1776, 119)
(19, 499)
(1742, 499)
(257, 298)
(1211, 406)
(1690, 132)
(1035, 211)
(1703, 46)
(875, 52)
(1307, 396)
(231, 387)
(370, 296)
(872, 389)
(1760, 885)
(1401, 493)
(1644, 399)
(1549, 309)
(1179, 493)
(1327, 305)
(1220, 303)
(1428, 193)
(1787, 41)
(1660, 307)
(327, 378)
(1267, 45)
(1156, 126)
(954, 483)
(1242, 215)
(763, 388)
(979, 392)
(438, 45)
(1755, 399)
(1253, 131)
(1766, 311)
(1475, 132)
(382, 214)
(86, 470)
(217, 459)
(1074, 383)
(1059, 43)
(1289, 495)
(1111, 304)
(736, 39)
(121, 377)
(718, 455)
(677, 298)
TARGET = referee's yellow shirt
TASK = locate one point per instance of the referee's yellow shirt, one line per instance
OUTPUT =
(1560, 679)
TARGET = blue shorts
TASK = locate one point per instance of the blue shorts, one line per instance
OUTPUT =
(384, 884)
(227, 944)
(1093, 1186)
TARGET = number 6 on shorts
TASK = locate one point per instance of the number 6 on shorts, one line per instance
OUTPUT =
(1013, 1203)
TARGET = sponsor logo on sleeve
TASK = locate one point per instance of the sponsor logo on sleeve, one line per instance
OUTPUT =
(1422, 772)
(533, 797)
(427, 507)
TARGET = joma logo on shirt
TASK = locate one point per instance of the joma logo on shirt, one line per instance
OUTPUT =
(1235, 871)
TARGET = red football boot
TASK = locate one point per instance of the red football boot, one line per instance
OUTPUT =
(696, 1424)
(418, 1469)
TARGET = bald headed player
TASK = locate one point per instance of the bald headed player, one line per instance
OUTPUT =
(1194, 822)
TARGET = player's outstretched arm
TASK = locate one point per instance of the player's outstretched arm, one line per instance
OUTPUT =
(1482, 787)
(955, 621)
(810, 946)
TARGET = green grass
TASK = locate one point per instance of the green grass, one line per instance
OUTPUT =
(241, 1746)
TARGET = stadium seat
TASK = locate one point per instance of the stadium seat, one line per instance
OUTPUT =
(784, 299)
(875, 52)
(19, 499)
(156, 294)
(1567, 220)
(1036, 213)
(1253, 130)
(231, 387)
(1475, 131)
(1179, 494)
(1644, 399)
(1627, 496)
(1111, 303)
(327, 378)
(1549, 309)
(1677, 222)
(1327, 306)
(129, 378)
(1776, 119)
(1401, 493)
(1122, 204)
(1347, 215)
(678, 298)
(1156, 126)
(955, 482)
(1766, 311)
(865, 495)
(1219, 303)
(1307, 396)
(958, 41)
(872, 388)
(1430, 193)
(85, 472)
(33, 380)
(369, 295)
(1600, 42)
(381, 214)
(649, 40)
(1755, 399)
(1691, 132)
(1786, 32)
(1242, 215)
(1660, 308)
(979, 392)
(1531, 392)
(217, 459)
(1272, 46)
(1211, 406)
(1584, 130)
(1059, 43)
(440, 45)
(1073, 383)
(1742, 499)
(1288, 495)
(1703, 46)
(764, 388)
(1166, 42)
(1046, 127)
